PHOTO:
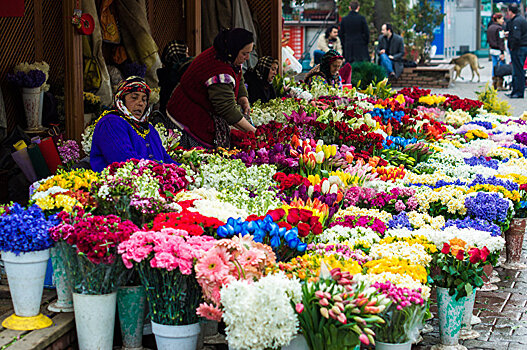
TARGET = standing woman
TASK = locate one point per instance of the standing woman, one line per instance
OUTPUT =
(259, 80)
(206, 100)
(328, 70)
(124, 132)
(495, 38)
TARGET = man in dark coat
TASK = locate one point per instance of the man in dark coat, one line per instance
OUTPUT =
(517, 42)
(355, 35)
(391, 51)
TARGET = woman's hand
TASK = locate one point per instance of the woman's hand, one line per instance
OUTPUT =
(244, 103)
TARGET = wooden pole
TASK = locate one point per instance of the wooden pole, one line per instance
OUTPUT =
(193, 16)
(39, 31)
(276, 31)
(73, 79)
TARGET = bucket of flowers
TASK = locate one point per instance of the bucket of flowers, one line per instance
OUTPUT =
(24, 245)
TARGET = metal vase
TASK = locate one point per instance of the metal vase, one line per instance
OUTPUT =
(63, 285)
(131, 304)
(450, 313)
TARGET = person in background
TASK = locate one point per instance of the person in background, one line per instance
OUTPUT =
(124, 132)
(330, 40)
(391, 51)
(355, 35)
(206, 100)
(259, 80)
(517, 43)
(175, 60)
(495, 38)
(328, 70)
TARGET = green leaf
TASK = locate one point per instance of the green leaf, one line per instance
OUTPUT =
(468, 288)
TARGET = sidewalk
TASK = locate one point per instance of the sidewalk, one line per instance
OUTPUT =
(466, 89)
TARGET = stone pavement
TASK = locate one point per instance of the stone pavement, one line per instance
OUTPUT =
(467, 89)
(503, 315)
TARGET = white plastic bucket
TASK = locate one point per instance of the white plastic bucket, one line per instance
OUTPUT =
(25, 274)
(176, 337)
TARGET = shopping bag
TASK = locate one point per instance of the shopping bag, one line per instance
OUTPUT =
(289, 61)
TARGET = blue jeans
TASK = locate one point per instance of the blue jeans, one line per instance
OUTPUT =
(518, 73)
(317, 56)
(496, 62)
(386, 62)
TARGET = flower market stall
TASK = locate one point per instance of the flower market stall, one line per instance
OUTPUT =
(334, 226)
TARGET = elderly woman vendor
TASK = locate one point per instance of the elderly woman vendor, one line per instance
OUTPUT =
(124, 132)
(206, 100)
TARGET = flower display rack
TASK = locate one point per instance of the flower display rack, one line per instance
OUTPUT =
(60, 336)
(439, 76)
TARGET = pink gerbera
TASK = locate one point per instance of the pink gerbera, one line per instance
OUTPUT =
(211, 267)
(251, 257)
(209, 311)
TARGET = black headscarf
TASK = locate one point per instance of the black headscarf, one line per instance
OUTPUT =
(174, 52)
(228, 43)
(263, 67)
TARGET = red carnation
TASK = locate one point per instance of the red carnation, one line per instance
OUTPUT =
(446, 248)
(303, 229)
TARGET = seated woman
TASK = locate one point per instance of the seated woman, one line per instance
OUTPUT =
(328, 70)
(259, 80)
(205, 101)
(124, 132)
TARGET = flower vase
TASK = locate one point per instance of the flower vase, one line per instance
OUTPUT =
(450, 313)
(64, 301)
(487, 273)
(95, 320)
(31, 98)
(25, 274)
(467, 332)
(389, 346)
(514, 243)
(131, 304)
(176, 337)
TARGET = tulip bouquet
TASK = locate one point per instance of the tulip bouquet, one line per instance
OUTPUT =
(165, 262)
(284, 242)
(404, 316)
(459, 267)
(338, 312)
(90, 244)
(238, 258)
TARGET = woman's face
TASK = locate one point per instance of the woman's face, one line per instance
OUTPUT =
(500, 21)
(335, 66)
(136, 103)
(243, 55)
(272, 72)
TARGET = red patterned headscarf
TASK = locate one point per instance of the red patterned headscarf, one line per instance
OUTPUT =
(128, 86)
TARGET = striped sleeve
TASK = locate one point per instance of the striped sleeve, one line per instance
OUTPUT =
(221, 79)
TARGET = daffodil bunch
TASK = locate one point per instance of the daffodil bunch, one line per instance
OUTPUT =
(398, 266)
(432, 99)
(476, 134)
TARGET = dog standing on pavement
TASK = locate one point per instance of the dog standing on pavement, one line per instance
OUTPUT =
(466, 59)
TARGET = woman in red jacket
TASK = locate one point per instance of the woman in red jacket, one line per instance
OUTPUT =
(206, 101)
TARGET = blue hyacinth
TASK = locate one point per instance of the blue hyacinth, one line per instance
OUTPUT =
(476, 224)
(487, 206)
(400, 221)
(492, 180)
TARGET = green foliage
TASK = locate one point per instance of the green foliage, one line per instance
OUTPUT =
(381, 90)
(366, 73)
(491, 102)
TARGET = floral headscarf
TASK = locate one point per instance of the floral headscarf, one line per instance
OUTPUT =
(127, 86)
(263, 66)
(326, 61)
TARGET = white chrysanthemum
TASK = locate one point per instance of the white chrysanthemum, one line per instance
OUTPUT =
(350, 236)
(259, 315)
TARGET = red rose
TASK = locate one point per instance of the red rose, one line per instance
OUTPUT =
(460, 254)
(316, 228)
(276, 214)
(313, 220)
(484, 253)
(293, 217)
(279, 177)
(303, 229)
(475, 255)
(446, 248)
(305, 215)
(284, 224)
(253, 217)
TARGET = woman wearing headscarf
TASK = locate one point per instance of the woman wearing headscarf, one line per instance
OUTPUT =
(175, 60)
(328, 70)
(124, 132)
(206, 100)
(259, 80)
